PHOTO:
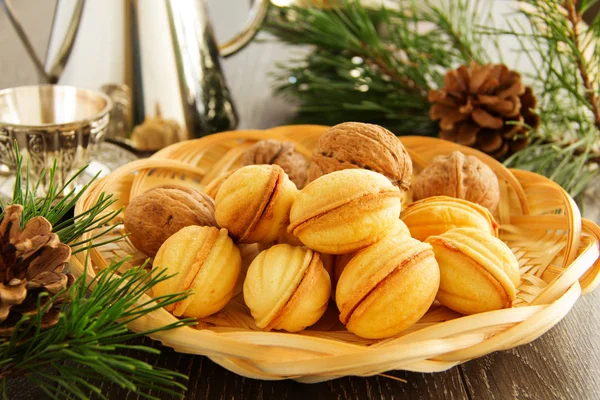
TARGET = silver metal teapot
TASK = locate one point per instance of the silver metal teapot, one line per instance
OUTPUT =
(150, 56)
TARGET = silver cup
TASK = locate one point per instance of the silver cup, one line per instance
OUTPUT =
(51, 121)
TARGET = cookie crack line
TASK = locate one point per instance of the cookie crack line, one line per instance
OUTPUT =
(345, 317)
(277, 177)
(388, 193)
(199, 261)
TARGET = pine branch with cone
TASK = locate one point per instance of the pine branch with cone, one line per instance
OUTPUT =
(54, 330)
(376, 65)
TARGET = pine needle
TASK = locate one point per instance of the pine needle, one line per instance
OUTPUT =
(377, 65)
(72, 358)
(83, 348)
(58, 202)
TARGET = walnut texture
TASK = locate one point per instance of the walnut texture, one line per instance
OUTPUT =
(284, 154)
(358, 145)
(459, 176)
(155, 215)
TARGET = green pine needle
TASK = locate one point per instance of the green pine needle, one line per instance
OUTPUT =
(566, 148)
(58, 201)
(375, 65)
(73, 357)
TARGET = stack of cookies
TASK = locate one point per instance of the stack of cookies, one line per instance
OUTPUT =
(347, 235)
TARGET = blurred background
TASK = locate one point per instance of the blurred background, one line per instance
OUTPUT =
(246, 72)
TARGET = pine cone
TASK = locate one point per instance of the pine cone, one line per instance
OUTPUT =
(484, 107)
(32, 262)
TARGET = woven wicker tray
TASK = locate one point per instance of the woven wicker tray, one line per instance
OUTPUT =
(557, 252)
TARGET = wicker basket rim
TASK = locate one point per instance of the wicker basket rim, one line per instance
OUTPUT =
(435, 347)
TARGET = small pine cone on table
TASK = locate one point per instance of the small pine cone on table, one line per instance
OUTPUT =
(485, 106)
(32, 262)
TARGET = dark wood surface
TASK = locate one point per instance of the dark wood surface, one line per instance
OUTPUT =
(562, 364)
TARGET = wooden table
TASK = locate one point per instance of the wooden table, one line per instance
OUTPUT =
(564, 363)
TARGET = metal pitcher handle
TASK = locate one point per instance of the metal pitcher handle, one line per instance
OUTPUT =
(56, 68)
(257, 15)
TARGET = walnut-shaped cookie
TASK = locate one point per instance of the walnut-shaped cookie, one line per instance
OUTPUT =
(203, 259)
(286, 287)
(398, 230)
(478, 272)
(254, 203)
(438, 214)
(387, 287)
(345, 211)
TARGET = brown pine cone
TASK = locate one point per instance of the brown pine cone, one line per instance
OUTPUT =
(484, 107)
(32, 262)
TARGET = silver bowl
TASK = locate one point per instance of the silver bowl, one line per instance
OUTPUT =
(52, 121)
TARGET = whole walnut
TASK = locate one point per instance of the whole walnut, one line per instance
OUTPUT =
(358, 145)
(459, 176)
(284, 154)
(152, 217)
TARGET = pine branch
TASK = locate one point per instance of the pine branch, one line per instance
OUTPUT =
(371, 65)
(55, 204)
(454, 20)
(82, 349)
(378, 65)
(566, 147)
(73, 357)
(575, 19)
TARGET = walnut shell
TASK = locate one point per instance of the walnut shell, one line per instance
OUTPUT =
(287, 288)
(387, 287)
(201, 258)
(358, 145)
(284, 154)
(153, 216)
(478, 272)
(460, 176)
(344, 211)
(438, 214)
(254, 202)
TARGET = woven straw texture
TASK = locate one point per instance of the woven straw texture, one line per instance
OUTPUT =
(557, 251)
